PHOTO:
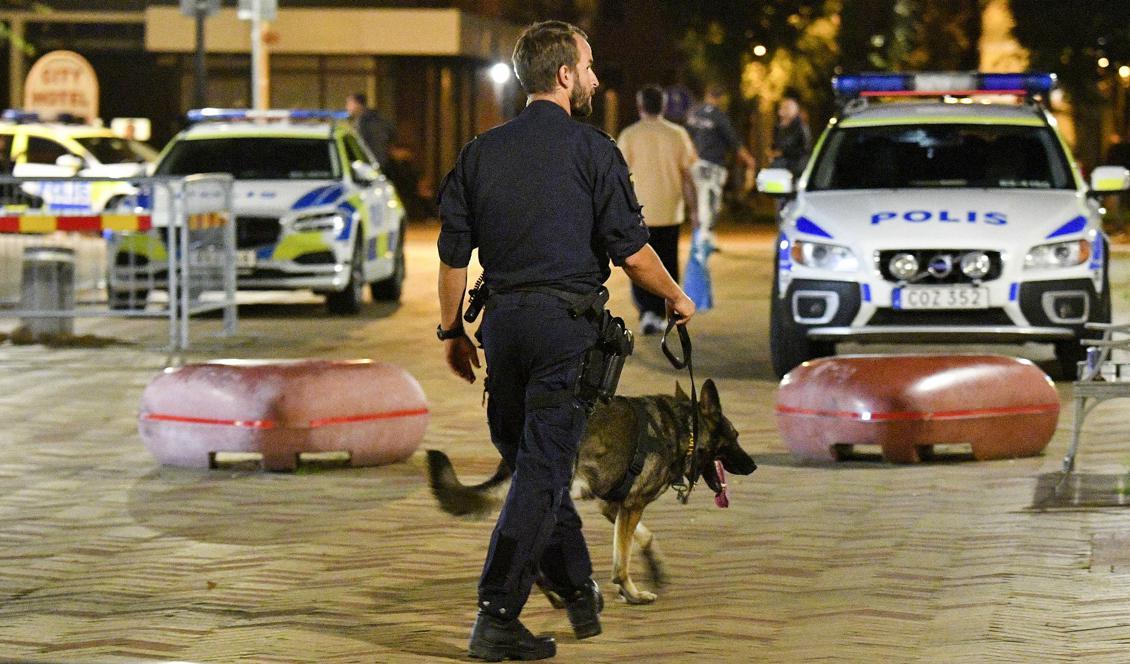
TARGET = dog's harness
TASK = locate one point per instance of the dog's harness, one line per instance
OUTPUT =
(646, 443)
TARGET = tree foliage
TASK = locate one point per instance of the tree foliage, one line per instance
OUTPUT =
(1070, 43)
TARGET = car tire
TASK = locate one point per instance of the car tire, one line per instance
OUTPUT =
(391, 288)
(347, 302)
(789, 345)
(1069, 354)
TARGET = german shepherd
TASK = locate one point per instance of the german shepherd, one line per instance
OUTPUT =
(614, 430)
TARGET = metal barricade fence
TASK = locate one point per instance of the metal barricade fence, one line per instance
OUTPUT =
(134, 241)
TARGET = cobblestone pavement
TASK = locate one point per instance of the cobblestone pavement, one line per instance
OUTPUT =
(107, 557)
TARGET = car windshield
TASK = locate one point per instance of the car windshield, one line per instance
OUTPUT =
(115, 150)
(254, 158)
(942, 155)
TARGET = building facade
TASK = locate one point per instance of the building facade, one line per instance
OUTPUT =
(423, 64)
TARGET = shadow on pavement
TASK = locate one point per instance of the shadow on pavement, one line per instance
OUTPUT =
(252, 507)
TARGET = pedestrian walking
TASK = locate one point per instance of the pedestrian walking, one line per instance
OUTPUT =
(548, 203)
(375, 129)
(792, 139)
(660, 156)
(714, 139)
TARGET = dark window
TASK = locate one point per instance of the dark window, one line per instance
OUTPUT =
(44, 151)
(114, 150)
(950, 155)
(254, 158)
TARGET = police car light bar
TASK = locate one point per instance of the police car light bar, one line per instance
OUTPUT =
(938, 84)
(235, 114)
(19, 116)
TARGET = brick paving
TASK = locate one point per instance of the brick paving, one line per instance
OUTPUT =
(107, 557)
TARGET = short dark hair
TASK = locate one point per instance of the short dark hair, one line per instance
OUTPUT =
(541, 50)
(651, 99)
(360, 98)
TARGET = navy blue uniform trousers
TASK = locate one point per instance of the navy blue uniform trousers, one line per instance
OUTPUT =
(534, 347)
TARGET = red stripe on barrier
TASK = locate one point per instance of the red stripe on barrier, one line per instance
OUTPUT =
(242, 424)
(918, 416)
(87, 223)
(75, 223)
(271, 424)
(370, 417)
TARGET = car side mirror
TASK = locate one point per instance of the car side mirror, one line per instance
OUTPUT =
(365, 172)
(70, 162)
(1110, 179)
(775, 181)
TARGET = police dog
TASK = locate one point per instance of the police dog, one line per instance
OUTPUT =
(613, 433)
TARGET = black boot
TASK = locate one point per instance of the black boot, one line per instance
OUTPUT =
(495, 639)
(584, 607)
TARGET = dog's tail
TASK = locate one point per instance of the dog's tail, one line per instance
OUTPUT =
(456, 498)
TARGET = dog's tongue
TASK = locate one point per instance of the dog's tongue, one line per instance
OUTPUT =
(722, 498)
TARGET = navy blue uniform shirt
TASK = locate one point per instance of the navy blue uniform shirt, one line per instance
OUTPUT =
(712, 133)
(546, 200)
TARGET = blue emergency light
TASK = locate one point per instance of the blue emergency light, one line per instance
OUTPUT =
(938, 84)
(237, 114)
(19, 116)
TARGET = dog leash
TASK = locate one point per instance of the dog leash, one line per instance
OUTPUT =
(686, 482)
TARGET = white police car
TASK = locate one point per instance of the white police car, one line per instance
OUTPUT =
(961, 218)
(36, 149)
(311, 208)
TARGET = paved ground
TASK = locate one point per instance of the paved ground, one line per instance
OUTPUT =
(106, 557)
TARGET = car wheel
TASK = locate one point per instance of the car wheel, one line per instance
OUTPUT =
(1069, 354)
(348, 300)
(390, 289)
(789, 345)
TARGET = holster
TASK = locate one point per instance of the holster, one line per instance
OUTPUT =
(603, 363)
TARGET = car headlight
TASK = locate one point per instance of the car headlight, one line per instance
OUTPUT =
(903, 266)
(1059, 254)
(976, 264)
(824, 256)
(333, 223)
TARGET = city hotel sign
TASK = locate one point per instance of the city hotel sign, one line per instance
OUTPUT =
(62, 83)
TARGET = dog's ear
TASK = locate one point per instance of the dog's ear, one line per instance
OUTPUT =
(680, 395)
(711, 405)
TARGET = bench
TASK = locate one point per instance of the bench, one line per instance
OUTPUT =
(1100, 378)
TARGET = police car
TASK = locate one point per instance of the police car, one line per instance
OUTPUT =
(939, 208)
(311, 207)
(61, 150)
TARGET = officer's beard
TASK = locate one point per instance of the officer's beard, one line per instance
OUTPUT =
(580, 101)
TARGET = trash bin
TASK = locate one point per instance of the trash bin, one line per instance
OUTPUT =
(48, 285)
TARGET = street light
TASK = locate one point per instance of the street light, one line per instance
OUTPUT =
(499, 72)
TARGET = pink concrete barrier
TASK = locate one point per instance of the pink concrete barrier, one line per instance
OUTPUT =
(376, 412)
(905, 404)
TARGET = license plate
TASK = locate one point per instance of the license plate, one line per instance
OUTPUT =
(941, 297)
(245, 259)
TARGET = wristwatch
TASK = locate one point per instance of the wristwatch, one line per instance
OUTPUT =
(453, 333)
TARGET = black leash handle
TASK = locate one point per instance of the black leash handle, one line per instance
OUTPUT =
(684, 341)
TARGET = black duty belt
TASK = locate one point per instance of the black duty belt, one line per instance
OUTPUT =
(579, 304)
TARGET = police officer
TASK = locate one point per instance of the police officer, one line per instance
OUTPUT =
(548, 203)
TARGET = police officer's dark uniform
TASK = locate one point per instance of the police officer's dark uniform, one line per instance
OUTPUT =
(548, 202)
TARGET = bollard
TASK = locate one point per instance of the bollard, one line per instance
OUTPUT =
(48, 285)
